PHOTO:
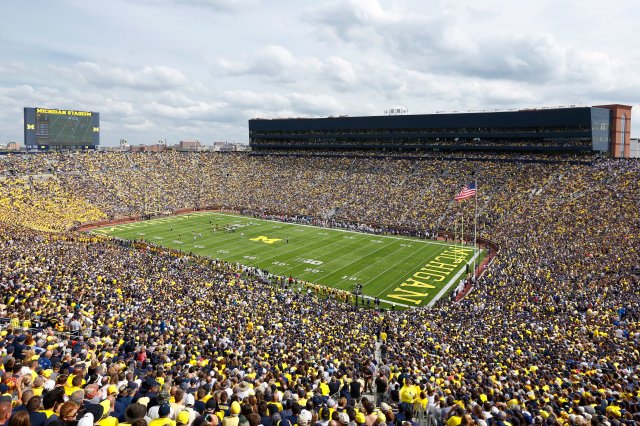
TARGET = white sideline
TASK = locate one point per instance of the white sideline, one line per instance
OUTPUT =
(451, 282)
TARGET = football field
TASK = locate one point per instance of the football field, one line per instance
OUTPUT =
(404, 271)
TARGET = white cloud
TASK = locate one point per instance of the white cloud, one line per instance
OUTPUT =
(342, 72)
(273, 62)
(145, 78)
(175, 68)
(216, 5)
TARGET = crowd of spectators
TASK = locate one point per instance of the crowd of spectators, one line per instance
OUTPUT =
(549, 335)
(42, 203)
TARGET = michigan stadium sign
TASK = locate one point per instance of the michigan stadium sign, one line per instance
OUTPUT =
(54, 129)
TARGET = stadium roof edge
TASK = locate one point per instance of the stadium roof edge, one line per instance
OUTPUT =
(450, 112)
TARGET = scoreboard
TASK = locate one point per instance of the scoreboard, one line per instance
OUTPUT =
(53, 129)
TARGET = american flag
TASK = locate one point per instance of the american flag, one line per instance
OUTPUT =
(467, 192)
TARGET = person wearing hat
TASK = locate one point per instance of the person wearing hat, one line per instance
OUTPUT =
(343, 419)
(183, 418)
(324, 416)
(388, 413)
(134, 412)
(210, 416)
(242, 390)
(304, 418)
(124, 398)
(162, 398)
(188, 401)
(107, 408)
(232, 419)
(164, 411)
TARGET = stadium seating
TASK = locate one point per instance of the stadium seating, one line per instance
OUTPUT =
(549, 335)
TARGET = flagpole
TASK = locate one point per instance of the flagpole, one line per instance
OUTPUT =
(462, 233)
(475, 231)
(455, 234)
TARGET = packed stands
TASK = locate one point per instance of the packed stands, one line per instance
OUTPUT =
(39, 202)
(549, 335)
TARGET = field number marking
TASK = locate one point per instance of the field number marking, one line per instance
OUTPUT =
(312, 262)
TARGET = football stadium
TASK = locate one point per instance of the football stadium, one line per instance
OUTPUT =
(445, 269)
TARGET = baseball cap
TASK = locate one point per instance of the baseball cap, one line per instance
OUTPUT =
(304, 417)
(183, 417)
(189, 400)
(343, 418)
(164, 410)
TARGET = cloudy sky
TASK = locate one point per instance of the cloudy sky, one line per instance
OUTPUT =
(199, 69)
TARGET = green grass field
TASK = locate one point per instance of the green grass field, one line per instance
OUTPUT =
(404, 271)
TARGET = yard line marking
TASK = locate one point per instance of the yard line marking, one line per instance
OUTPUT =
(414, 239)
(401, 279)
(384, 247)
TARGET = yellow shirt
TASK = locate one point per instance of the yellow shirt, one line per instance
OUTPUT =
(454, 421)
(324, 389)
(48, 413)
(407, 394)
(108, 421)
(162, 421)
(69, 390)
